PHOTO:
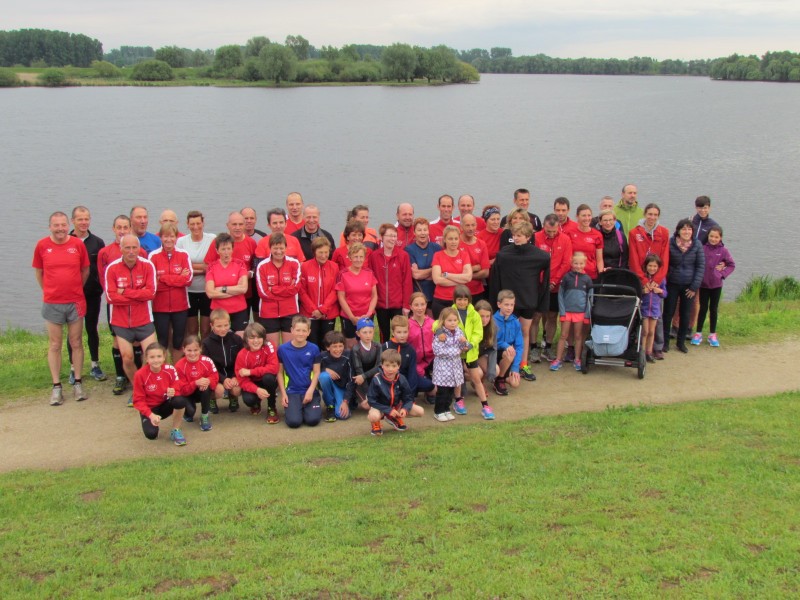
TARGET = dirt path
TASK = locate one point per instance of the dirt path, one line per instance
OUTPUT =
(34, 435)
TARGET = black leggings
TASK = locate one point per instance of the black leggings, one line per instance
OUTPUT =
(319, 327)
(384, 321)
(270, 383)
(90, 322)
(709, 302)
(444, 397)
(203, 397)
(675, 291)
(162, 322)
(163, 410)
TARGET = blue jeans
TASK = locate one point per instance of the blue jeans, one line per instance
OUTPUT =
(298, 413)
(332, 393)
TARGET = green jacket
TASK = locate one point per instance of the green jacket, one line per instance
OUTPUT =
(629, 217)
(473, 331)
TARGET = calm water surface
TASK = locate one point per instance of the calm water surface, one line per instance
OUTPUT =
(220, 149)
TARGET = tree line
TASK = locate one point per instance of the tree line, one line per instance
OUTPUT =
(773, 66)
(46, 48)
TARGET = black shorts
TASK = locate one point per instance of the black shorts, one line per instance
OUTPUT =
(240, 320)
(473, 364)
(277, 325)
(553, 302)
(524, 313)
(348, 328)
(199, 303)
(134, 334)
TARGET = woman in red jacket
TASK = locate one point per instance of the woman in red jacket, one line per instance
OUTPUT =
(392, 268)
(318, 299)
(173, 276)
(278, 281)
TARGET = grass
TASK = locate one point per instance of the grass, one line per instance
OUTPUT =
(765, 288)
(696, 500)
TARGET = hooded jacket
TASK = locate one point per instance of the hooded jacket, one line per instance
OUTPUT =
(223, 351)
(386, 394)
(712, 279)
(509, 333)
(525, 270)
(421, 338)
(641, 243)
(628, 216)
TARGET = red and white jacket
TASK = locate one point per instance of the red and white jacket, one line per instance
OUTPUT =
(190, 372)
(109, 254)
(150, 389)
(171, 285)
(264, 361)
(560, 250)
(393, 274)
(278, 287)
(131, 308)
(317, 289)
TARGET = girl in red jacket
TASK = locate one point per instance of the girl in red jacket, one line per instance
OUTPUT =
(200, 379)
(155, 395)
(256, 369)
(173, 276)
(317, 291)
(392, 269)
(278, 281)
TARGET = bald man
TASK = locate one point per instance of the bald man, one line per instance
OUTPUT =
(250, 219)
(168, 217)
(405, 224)
(294, 213)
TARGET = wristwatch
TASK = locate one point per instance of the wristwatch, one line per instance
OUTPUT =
(224, 289)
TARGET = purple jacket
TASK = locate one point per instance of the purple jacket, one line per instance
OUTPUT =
(713, 279)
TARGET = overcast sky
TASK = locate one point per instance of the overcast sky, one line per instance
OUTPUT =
(566, 28)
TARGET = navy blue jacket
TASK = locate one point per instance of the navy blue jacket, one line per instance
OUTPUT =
(686, 268)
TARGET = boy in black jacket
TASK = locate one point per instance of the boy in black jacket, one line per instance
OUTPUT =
(389, 395)
(335, 375)
(222, 345)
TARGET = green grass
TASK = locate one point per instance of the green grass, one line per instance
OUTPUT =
(698, 500)
(765, 288)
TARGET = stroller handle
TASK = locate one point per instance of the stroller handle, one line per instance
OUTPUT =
(612, 287)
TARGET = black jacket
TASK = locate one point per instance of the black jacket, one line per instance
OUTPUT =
(223, 352)
(525, 270)
(93, 245)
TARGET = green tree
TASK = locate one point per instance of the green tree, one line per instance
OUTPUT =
(254, 45)
(399, 62)
(152, 70)
(172, 55)
(251, 70)
(53, 78)
(8, 78)
(278, 63)
(227, 58)
(349, 52)
(299, 45)
(106, 70)
(499, 53)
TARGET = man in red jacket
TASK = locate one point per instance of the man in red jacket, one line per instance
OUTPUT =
(130, 284)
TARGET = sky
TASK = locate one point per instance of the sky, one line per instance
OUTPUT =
(681, 29)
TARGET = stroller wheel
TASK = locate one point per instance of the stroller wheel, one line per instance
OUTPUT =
(642, 363)
(586, 356)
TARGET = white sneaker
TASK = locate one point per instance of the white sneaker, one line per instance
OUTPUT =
(450, 416)
(57, 397)
(78, 394)
(441, 417)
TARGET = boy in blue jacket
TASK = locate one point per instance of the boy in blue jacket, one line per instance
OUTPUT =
(389, 395)
(509, 343)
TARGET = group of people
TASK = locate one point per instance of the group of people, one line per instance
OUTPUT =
(416, 307)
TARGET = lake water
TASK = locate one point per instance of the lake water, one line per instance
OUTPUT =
(220, 149)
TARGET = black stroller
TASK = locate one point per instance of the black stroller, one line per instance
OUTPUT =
(616, 337)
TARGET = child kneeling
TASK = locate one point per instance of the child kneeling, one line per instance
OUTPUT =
(389, 395)
(154, 396)
(256, 371)
(299, 359)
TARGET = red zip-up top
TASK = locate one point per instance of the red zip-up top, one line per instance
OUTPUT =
(150, 389)
(641, 243)
(190, 372)
(264, 361)
(132, 307)
(277, 287)
(243, 251)
(317, 289)
(560, 250)
(171, 286)
(393, 273)
(108, 255)
(421, 339)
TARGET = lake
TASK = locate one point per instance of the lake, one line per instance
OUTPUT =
(219, 149)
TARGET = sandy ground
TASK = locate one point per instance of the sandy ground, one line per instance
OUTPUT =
(34, 435)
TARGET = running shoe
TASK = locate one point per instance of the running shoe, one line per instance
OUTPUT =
(272, 416)
(205, 423)
(577, 366)
(569, 355)
(535, 355)
(460, 408)
(395, 422)
(376, 429)
(487, 413)
(119, 385)
(526, 373)
(500, 387)
(330, 414)
(57, 397)
(255, 410)
(441, 417)
(697, 338)
(97, 373)
(549, 354)
(176, 435)
(212, 406)
(650, 358)
(713, 340)
(78, 393)
(188, 418)
(233, 403)
(450, 416)
(130, 401)
(555, 365)
(658, 355)
(72, 377)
